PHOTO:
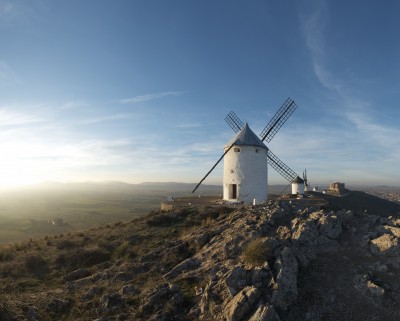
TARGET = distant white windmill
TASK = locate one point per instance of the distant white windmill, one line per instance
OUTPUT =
(246, 159)
(305, 181)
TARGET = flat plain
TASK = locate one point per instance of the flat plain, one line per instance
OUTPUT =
(55, 208)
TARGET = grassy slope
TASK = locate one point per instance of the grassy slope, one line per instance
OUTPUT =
(32, 273)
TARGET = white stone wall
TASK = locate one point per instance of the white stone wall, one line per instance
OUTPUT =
(249, 170)
(297, 188)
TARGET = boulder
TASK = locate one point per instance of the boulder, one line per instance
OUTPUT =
(242, 304)
(91, 293)
(111, 302)
(286, 268)
(77, 274)
(386, 244)
(364, 284)
(305, 231)
(236, 280)
(304, 234)
(261, 277)
(345, 215)
(265, 313)
(186, 265)
(278, 214)
(59, 306)
(158, 298)
(330, 226)
(392, 230)
(325, 244)
(283, 233)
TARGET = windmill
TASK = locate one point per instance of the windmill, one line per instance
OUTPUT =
(305, 180)
(246, 158)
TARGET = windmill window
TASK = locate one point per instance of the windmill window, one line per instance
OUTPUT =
(236, 150)
(257, 150)
(232, 171)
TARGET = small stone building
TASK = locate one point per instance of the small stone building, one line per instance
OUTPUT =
(337, 187)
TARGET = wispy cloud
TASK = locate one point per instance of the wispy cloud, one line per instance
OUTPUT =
(73, 105)
(9, 118)
(106, 118)
(18, 11)
(189, 125)
(376, 134)
(313, 25)
(365, 132)
(147, 97)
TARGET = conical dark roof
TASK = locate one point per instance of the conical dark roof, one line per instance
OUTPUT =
(298, 180)
(246, 137)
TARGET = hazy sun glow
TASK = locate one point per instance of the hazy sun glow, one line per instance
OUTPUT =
(24, 164)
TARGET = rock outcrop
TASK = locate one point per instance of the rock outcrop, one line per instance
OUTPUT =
(279, 261)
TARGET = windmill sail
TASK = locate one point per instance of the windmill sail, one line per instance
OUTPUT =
(212, 168)
(234, 122)
(281, 116)
(267, 134)
(281, 167)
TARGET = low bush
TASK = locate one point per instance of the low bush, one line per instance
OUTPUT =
(6, 253)
(257, 252)
(125, 249)
(36, 265)
(162, 219)
(73, 260)
(177, 254)
(5, 314)
(65, 244)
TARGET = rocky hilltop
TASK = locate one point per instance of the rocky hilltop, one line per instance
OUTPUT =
(277, 261)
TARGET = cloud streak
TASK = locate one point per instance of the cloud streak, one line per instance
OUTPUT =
(106, 118)
(8, 118)
(148, 97)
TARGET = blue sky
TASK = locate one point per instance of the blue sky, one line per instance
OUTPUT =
(138, 90)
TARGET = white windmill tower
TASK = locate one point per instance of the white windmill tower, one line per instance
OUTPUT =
(298, 186)
(245, 168)
(247, 158)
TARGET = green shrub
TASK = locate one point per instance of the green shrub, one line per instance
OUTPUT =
(257, 252)
(124, 250)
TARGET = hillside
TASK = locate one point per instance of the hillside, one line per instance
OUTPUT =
(278, 261)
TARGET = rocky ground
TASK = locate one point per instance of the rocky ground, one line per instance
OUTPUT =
(277, 261)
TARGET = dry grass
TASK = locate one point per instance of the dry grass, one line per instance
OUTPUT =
(32, 270)
(257, 252)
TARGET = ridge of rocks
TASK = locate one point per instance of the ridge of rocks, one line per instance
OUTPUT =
(276, 261)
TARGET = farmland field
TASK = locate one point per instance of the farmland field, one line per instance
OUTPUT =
(55, 208)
